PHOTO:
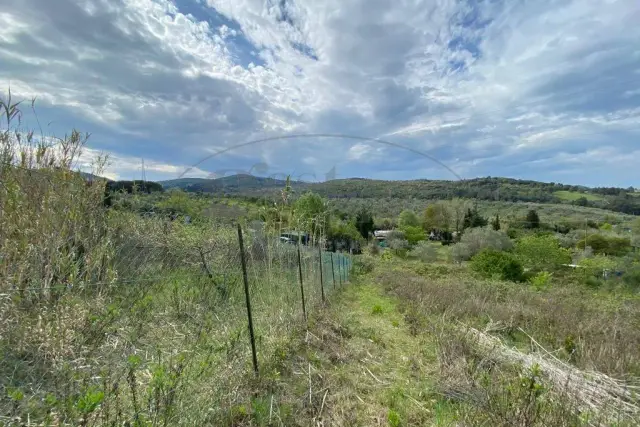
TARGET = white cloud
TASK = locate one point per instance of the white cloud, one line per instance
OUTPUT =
(463, 80)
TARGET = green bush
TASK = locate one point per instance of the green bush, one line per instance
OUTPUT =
(495, 264)
(632, 278)
(477, 239)
(541, 252)
(425, 252)
(607, 245)
(594, 267)
(363, 264)
(541, 281)
(413, 234)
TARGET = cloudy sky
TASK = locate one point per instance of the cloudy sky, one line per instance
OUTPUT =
(536, 89)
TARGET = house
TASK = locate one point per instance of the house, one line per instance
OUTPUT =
(381, 236)
(294, 237)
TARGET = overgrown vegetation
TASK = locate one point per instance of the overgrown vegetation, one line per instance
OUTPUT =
(127, 307)
(132, 312)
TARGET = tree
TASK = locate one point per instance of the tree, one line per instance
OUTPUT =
(496, 223)
(436, 217)
(533, 220)
(457, 208)
(364, 223)
(398, 243)
(601, 244)
(425, 252)
(413, 235)
(496, 264)
(343, 233)
(384, 224)
(541, 253)
(477, 239)
(408, 218)
(473, 219)
(311, 212)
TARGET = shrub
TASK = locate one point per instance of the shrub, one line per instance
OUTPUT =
(475, 240)
(413, 234)
(632, 278)
(374, 249)
(607, 245)
(593, 267)
(491, 263)
(541, 252)
(425, 252)
(363, 264)
(408, 218)
(541, 281)
(398, 243)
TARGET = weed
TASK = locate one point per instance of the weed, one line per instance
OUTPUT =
(393, 418)
(377, 309)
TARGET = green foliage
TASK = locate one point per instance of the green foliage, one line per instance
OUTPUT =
(377, 309)
(631, 278)
(182, 203)
(591, 268)
(398, 243)
(495, 264)
(413, 235)
(90, 400)
(393, 418)
(436, 217)
(541, 280)
(532, 220)
(495, 224)
(408, 218)
(473, 219)
(311, 213)
(541, 252)
(425, 252)
(364, 223)
(606, 245)
(606, 227)
(475, 240)
(363, 264)
(384, 224)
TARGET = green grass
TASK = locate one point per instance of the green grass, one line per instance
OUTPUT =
(575, 195)
(361, 364)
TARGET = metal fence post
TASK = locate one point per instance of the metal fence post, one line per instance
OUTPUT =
(344, 267)
(333, 272)
(248, 301)
(304, 309)
(320, 263)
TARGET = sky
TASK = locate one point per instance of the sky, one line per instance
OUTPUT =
(546, 90)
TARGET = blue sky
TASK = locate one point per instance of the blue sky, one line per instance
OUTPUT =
(546, 89)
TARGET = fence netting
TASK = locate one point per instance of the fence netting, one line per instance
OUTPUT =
(114, 317)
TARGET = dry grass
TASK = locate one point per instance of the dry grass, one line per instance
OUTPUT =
(110, 318)
(597, 331)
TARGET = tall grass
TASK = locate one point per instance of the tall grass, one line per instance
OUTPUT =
(112, 318)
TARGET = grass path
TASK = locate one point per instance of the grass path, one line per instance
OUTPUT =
(362, 366)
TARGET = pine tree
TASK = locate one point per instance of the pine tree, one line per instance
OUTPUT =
(496, 223)
(533, 220)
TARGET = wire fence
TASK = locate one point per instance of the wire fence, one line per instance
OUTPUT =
(110, 317)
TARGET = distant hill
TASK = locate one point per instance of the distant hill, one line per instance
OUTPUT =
(490, 188)
(235, 184)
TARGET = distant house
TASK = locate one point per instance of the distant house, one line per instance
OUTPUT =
(294, 237)
(381, 236)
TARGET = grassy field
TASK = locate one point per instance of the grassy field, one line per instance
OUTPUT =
(390, 350)
(574, 195)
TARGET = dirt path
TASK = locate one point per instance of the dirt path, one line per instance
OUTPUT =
(362, 366)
